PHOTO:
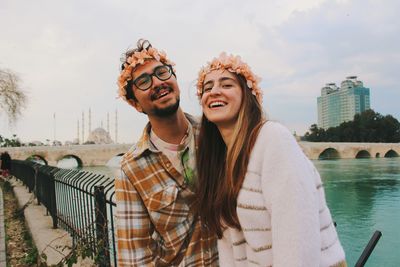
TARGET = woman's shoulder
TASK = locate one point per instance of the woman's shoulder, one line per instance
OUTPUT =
(274, 138)
(273, 129)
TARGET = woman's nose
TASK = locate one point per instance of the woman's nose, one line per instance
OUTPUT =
(215, 90)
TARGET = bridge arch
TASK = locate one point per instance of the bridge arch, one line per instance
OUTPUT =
(71, 156)
(38, 159)
(391, 154)
(363, 154)
(329, 153)
(377, 155)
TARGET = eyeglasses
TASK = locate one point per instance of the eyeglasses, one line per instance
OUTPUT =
(145, 81)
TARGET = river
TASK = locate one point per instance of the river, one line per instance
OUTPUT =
(363, 196)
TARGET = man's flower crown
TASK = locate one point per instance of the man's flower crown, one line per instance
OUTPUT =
(233, 64)
(139, 58)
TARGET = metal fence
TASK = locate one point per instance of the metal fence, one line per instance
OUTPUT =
(83, 204)
(80, 202)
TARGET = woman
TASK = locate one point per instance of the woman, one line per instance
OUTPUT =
(257, 190)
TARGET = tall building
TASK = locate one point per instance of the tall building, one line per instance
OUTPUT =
(340, 104)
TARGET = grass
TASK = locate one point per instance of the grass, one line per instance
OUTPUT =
(21, 250)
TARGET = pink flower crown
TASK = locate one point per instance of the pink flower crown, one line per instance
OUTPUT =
(233, 64)
(139, 58)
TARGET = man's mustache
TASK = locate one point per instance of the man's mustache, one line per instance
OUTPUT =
(156, 91)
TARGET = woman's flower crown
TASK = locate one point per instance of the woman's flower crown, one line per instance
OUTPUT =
(233, 64)
(139, 58)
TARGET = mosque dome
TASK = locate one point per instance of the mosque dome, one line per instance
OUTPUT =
(99, 136)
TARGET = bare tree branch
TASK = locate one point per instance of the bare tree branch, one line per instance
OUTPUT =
(12, 98)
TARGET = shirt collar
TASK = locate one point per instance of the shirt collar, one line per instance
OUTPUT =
(144, 144)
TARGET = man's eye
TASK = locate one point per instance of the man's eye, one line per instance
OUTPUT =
(142, 81)
(227, 85)
(163, 73)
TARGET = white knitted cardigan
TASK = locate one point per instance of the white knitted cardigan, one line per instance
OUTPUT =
(282, 210)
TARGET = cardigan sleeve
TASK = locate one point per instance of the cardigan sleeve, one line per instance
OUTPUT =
(225, 250)
(290, 193)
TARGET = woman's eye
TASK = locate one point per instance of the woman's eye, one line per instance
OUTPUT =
(206, 89)
(227, 85)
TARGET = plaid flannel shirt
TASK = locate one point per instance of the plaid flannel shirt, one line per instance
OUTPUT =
(156, 225)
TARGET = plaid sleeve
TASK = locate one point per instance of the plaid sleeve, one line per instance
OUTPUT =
(134, 229)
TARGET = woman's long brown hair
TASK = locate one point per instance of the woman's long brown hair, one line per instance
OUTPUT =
(221, 169)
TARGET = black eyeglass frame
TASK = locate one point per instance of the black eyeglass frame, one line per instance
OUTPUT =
(170, 70)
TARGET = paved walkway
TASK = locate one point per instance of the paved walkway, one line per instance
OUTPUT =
(2, 232)
(47, 240)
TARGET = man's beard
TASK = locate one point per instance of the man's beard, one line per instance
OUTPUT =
(167, 111)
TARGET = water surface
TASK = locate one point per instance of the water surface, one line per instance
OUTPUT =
(363, 196)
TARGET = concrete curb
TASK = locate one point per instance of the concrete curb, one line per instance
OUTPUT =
(3, 256)
(53, 243)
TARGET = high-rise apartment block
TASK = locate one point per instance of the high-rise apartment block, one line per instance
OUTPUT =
(340, 104)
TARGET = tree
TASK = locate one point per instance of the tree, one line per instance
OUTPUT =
(10, 142)
(368, 126)
(12, 98)
(315, 135)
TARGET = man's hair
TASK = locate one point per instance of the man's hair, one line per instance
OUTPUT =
(134, 57)
(221, 169)
(141, 45)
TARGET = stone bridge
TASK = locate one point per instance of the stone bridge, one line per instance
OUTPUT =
(99, 155)
(85, 155)
(350, 150)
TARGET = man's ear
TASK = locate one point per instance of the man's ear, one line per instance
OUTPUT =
(135, 104)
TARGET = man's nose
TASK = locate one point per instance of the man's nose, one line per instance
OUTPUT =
(155, 81)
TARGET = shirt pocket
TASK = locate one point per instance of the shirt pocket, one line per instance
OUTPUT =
(163, 198)
(167, 208)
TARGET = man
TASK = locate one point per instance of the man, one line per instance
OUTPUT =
(156, 221)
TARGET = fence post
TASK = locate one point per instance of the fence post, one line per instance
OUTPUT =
(53, 204)
(35, 184)
(102, 244)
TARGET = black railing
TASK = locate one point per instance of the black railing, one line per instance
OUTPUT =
(368, 249)
(79, 202)
(24, 172)
(82, 204)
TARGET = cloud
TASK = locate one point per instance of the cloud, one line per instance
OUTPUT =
(327, 44)
(67, 54)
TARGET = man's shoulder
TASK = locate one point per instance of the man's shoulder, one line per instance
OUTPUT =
(195, 122)
(132, 154)
(138, 161)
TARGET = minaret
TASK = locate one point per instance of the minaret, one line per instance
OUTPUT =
(83, 127)
(108, 122)
(54, 119)
(77, 131)
(90, 121)
(116, 126)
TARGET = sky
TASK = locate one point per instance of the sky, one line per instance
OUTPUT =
(67, 54)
